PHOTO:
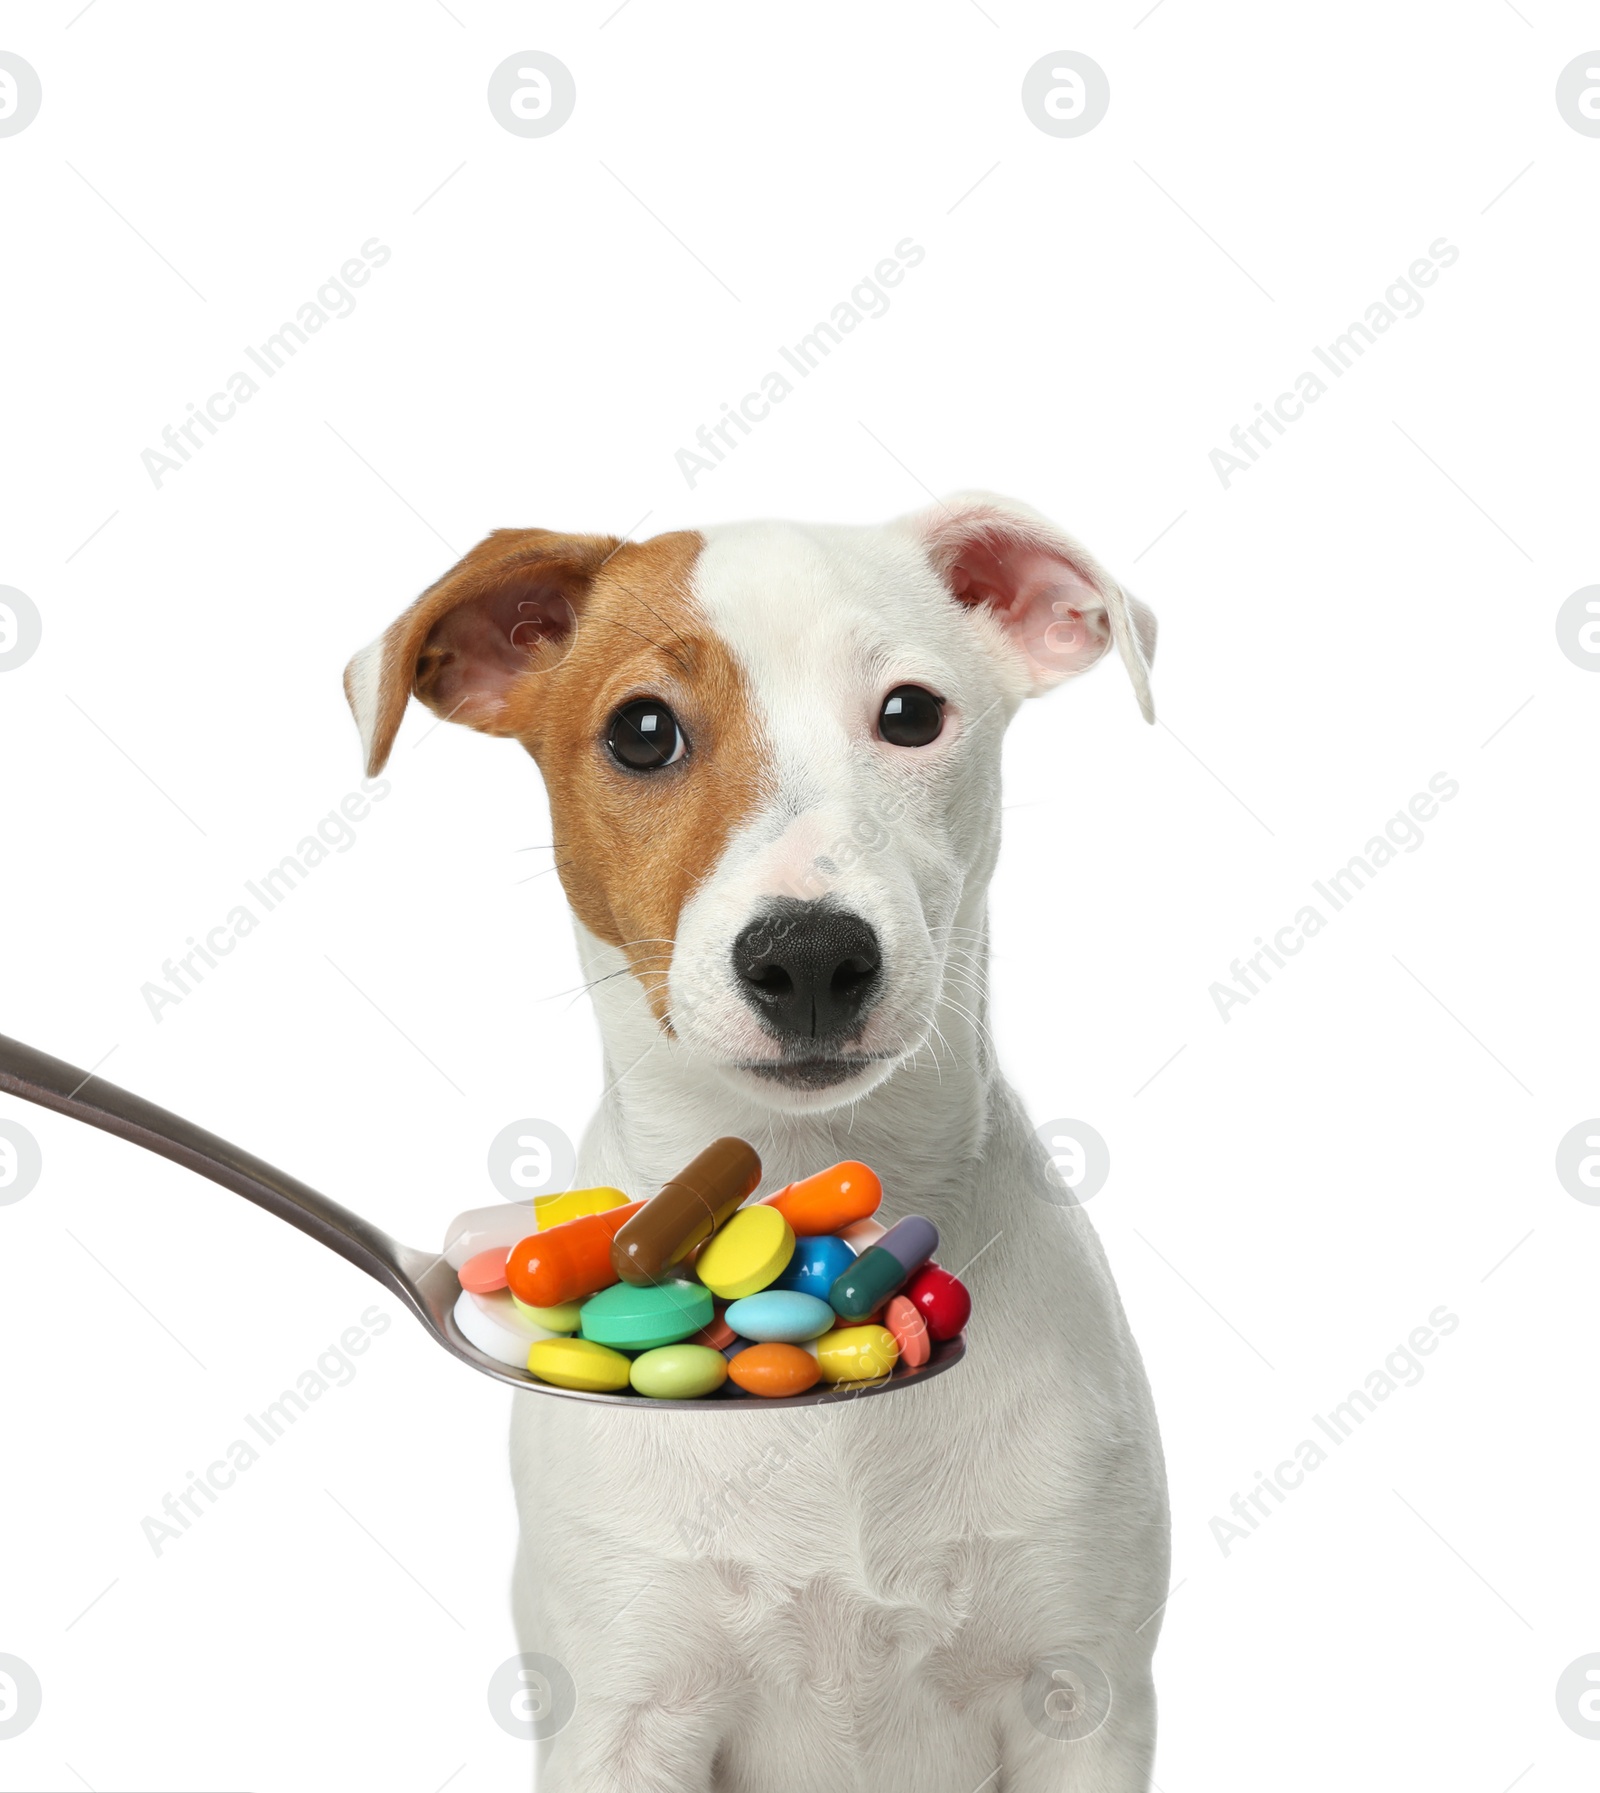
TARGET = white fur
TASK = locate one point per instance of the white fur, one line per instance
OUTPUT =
(853, 1596)
(363, 685)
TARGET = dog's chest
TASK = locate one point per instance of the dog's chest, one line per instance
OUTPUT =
(945, 1528)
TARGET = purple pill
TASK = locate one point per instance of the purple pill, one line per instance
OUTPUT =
(911, 1242)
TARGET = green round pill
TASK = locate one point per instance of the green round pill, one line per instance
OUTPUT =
(632, 1318)
(679, 1372)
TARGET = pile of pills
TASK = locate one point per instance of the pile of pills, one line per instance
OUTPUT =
(693, 1290)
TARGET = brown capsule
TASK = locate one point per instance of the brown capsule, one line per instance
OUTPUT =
(689, 1209)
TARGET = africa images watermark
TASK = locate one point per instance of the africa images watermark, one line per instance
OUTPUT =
(1402, 1368)
(335, 833)
(333, 1369)
(332, 300)
(867, 299)
(1400, 300)
(1401, 834)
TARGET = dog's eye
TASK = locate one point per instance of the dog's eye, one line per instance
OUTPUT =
(911, 717)
(645, 736)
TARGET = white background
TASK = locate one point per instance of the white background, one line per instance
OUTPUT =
(1290, 1195)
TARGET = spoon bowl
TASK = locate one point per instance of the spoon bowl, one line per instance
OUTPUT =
(423, 1280)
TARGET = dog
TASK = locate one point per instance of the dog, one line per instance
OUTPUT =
(772, 757)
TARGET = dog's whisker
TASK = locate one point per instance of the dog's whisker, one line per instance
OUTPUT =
(658, 616)
(594, 983)
(955, 997)
(660, 646)
(559, 865)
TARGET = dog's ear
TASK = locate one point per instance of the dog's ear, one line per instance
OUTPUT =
(506, 611)
(1058, 608)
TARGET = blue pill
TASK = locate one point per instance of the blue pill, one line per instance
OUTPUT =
(779, 1316)
(816, 1266)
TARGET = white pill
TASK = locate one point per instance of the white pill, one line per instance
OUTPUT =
(493, 1324)
(482, 1229)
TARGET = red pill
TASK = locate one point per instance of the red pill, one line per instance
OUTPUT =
(941, 1299)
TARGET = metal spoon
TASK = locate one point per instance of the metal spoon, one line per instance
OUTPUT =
(421, 1279)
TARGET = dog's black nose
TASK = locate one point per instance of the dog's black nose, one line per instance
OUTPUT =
(810, 970)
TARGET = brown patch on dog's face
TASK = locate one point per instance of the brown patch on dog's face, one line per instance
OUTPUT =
(632, 846)
(545, 637)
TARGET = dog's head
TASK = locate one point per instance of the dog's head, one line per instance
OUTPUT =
(772, 754)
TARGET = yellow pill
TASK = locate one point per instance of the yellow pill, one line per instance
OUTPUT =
(579, 1363)
(573, 1204)
(553, 1319)
(751, 1250)
(854, 1353)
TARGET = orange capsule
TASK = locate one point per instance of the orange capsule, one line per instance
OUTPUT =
(569, 1262)
(774, 1370)
(829, 1200)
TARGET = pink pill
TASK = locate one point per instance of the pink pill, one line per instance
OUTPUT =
(910, 1332)
(486, 1272)
(860, 1234)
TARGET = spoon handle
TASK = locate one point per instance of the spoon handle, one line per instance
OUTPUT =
(52, 1083)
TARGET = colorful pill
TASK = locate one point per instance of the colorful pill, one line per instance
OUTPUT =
(874, 1318)
(862, 1233)
(689, 1208)
(774, 1370)
(553, 1319)
(856, 1354)
(719, 1334)
(633, 1318)
(493, 1324)
(881, 1269)
(910, 1332)
(485, 1272)
(829, 1200)
(480, 1229)
(750, 1251)
(679, 1372)
(817, 1264)
(780, 1316)
(568, 1262)
(573, 1204)
(941, 1299)
(576, 1363)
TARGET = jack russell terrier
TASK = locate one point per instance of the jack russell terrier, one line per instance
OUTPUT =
(772, 756)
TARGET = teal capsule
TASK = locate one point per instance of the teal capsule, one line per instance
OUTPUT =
(866, 1284)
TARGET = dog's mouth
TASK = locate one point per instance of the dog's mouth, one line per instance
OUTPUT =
(822, 1071)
